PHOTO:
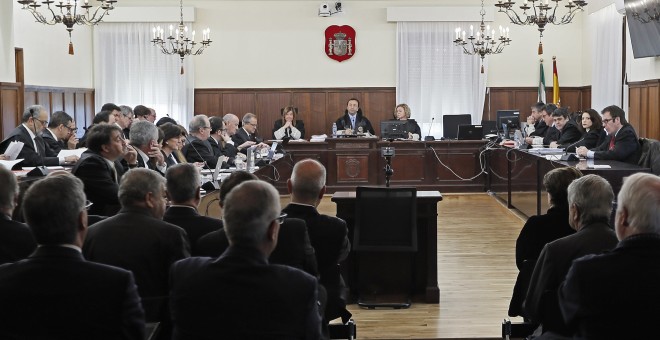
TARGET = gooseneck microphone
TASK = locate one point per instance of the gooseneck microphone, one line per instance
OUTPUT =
(197, 152)
(428, 136)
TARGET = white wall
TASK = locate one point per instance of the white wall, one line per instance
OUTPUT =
(7, 73)
(45, 52)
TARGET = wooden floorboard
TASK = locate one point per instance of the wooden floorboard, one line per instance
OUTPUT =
(476, 273)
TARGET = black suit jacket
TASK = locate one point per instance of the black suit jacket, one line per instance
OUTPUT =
(344, 122)
(56, 294)
(197, 150)
(100, 185)
(30, 156)
(16, 240)
(241, 136)
(227, 150)
(590, 140)
(300, 125)
(329, 237)
(541, 304)
(599, 287)
(537, 231)
(413, 127)
(569, 135)
(240, 296)
(626, 146)
(192, 222)
(136, 241)
(293, 246)
(53, 145)
(540, 129)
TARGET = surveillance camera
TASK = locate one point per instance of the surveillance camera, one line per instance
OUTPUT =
(338, 6)
(324, 10)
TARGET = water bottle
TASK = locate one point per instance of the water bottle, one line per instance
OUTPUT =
(334, 130)
(516, 138)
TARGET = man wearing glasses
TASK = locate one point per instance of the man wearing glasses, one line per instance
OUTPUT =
(198, 148)
(246, 136)
(621, 143)
(34, 120)
(60, 134)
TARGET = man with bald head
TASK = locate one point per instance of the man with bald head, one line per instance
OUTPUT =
(240, 295)
(328, 235)
(615, 295)
(231, 124)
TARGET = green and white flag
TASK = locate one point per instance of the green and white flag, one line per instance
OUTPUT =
(541, 91)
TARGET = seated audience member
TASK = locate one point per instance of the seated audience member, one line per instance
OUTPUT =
(183, 190)
(535, 125)
(590, 205)
(615, 295)
(569, 132)
(137, 239)
(293, 246)
(126, 120)
(621, 144)
(353, 121)
(594, 134)
(172, 141)
(60, 134)
(35, 151)
(248, 133)
(16, 240)
(542, 229)
(103, 117)
(402, 113)
(198, 148)
(231, 124)
(240, 295)
(543, 136)
(114, 110)
(144, 113)
(144, 139)
(101, 169)
(329, 235)
(289, 126)
(220, 139)
(164, 120)
(55, 293)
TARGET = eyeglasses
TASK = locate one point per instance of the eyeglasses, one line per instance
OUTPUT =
(280, 219)
(607, 120)
(71, 130)
(88, 204)
(44, 122)
(255, 124)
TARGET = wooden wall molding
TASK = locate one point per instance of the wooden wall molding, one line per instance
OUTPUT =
(77, 102)
(644, 107)
(9, 107)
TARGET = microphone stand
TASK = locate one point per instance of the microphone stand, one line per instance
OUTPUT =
(428, 136)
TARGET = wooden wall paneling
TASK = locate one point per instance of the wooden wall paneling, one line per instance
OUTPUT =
(268, 110)
(586, 97)
(208, 103)
(9, 108)
(69, 102)
(336, 104)
(57, 102)
(19, 66)
(238, 103)
(523, 101)
(653, 122)
(311, 109)
(78, 113)
(30, 98)
(89, 108)
(43, 99)
(644, 107)
(378, 106)
(570, 99)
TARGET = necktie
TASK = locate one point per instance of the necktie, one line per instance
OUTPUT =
(353, 122)
(611, 143)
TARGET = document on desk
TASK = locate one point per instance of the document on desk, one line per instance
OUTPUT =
(75, 152)
(14, 149)
(598, 166)
(10, 164)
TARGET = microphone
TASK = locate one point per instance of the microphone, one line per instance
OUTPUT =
(428, 136)
(569, 145)
(39, 170)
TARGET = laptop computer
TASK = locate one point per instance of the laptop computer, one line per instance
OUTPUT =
(470, 132)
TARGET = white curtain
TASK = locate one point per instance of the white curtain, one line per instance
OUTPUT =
(129, 70)
(606, 83)
(436, 78)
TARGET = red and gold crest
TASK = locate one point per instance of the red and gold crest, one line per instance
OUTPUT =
(339, 42)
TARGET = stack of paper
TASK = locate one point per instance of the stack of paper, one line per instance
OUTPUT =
(318, 138)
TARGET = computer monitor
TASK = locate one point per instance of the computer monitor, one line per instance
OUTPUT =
(450, 124)
(393, 129)
(470, 132)
(490, 127)
(509, 124)
(504, 113)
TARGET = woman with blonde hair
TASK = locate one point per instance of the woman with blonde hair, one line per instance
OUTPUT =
(402, 113)
(289, 126)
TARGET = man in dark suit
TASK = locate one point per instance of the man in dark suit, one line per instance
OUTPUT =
(16, 240)
(220, 140)
(198, 148)
(328, 234)
(293, 246)
(144, 139)
(240, 295)
(590, 204)
(101, 169)
(34, 152)
(621, 144)
(534, 121)
(353, 121)
(55, 293)
(545, 132)
(60, 134)
(183, 190)
(231, 124)
(138, 240)
(569, 132)
(246, 136)
(615, 295)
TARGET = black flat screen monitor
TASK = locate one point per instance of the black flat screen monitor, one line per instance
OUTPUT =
(509, 124)
(393, 129)
(490, 127)
(450, 124)
(505, 113)
(470, 132)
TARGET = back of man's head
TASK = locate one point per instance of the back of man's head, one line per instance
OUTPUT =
(307, 181)
(8, 190)
(556, 183)
(182, 182)
(249, 209)
(216, 124)
(549, 108)
(136, 184)
(142, 133)
(639, 205)
(54, 220)
(229, 183)
(141, 111)
(593, 196)
(102, 117)
(110, 107)
(100, 135)
(59, 117)
(538, 106)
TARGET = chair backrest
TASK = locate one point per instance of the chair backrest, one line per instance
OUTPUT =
(650, 155)
(209, 205)
(385, 219)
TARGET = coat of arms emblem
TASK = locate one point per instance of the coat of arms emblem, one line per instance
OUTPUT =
(339, 42)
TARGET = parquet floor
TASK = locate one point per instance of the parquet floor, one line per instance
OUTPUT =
(476, 273)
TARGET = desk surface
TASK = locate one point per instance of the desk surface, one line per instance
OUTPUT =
(339, 195)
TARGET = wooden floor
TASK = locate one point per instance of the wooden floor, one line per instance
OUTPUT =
(476, 272)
